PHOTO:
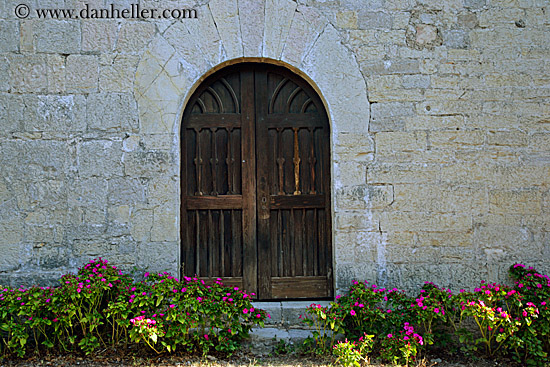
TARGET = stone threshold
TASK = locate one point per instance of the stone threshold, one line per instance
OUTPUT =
(285, 324)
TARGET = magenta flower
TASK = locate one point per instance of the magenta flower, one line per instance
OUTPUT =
(436, 310)
(245, 310)
(352, 312)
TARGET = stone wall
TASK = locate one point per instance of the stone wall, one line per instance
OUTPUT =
(440, 118)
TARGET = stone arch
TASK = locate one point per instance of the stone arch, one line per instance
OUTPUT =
(180, 56)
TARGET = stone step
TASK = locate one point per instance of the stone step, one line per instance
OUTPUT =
(286, 314)
(285, 324)
(263, 341)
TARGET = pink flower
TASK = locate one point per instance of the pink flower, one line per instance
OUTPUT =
(390, 336)
(352, 312)
(172, 306)
(206, 336)
(436, 310)
(245, 310)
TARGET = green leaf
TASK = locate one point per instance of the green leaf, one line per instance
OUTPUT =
(159, 300)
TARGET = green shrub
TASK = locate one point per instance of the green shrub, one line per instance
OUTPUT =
(493, 320)
(101, 307)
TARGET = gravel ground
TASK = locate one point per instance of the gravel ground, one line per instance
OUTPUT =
(114, 358)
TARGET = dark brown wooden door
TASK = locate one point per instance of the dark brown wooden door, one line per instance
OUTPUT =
(256, 183)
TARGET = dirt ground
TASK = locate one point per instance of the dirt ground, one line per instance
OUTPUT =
(114, 358)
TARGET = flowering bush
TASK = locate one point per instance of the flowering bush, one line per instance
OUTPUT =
(350, 353)
(531, 343)
(402, 347)
(100, 306)
(494, 320)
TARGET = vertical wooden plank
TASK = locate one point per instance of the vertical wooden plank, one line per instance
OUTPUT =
(197, 243)
(184, 224)
(279, 257)
(292, 242)
(211, 250)
(189, 247)
(238, 243)
(263, 180)
(273, 238)
(304, 243)
(248, 155)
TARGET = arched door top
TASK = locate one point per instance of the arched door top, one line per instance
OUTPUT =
(256, 183)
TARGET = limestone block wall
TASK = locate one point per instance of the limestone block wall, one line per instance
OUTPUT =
(440, 130)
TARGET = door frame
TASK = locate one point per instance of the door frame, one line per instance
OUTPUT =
(251, 277)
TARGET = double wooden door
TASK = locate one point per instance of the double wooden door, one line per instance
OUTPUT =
(256, 183)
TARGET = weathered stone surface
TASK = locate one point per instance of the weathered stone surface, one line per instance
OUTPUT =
(400, 141)
(456, 38)
(9, 36)
(56, 73)
(389, 116)
(363, 197)
(188, 51)
(368, 19)
(306, 26)
(99, 35)
(425, 34)
(165, 220)
(328, 54)
(278, 18)
(111, 112)
(251, 19)
(57, 36)
(28, 73)
(11, 225)
(226, 16)
(108, 152)
(134, 36)
(518, 202)
(439, 131)
(146, 163)
(90, 196)
(356, 147)
(28, 160)
(117, 74)
(4, 74)
(55, 113)
(158, 256)
(206, 34)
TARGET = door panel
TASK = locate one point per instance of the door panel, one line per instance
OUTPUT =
(255, 183)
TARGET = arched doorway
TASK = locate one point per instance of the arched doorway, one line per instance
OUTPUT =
(256, 183)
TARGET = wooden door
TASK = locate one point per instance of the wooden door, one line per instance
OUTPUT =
(256, 183)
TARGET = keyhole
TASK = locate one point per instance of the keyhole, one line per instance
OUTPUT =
(264, 200)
